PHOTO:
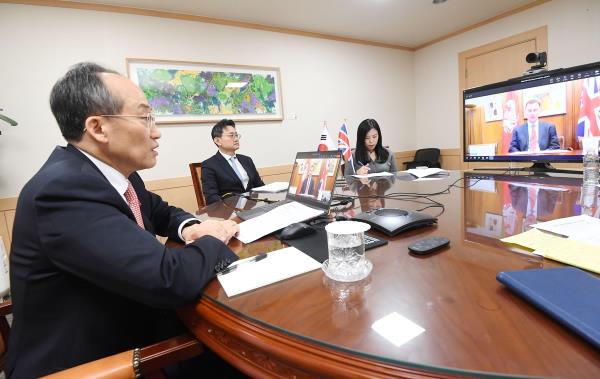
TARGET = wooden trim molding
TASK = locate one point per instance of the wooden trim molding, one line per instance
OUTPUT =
(165, 184)
(179, 191)
(8, 203)
(204, 19)
(540, 35)
(263, 352)
(256, 26)
(484, 22)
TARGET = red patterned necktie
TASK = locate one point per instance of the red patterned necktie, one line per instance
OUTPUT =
(533, 143)
(532, 200)
(134, 204)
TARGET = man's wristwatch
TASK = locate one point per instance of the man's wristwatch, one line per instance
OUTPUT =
(189, 223)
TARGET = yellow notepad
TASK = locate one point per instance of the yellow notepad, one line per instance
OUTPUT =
(565, 250)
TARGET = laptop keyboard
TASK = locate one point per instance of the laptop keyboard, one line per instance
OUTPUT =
(254, 212)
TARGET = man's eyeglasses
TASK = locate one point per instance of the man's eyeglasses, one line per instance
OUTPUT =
(233, 135)
(149, 118)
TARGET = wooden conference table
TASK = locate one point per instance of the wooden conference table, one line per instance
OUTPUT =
(311, 326)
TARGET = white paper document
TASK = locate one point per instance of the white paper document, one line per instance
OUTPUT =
(549, 151)
(383, 173)
(272, 187)
(423, 172)
(277, 266)
(278, 218)
(581, 228)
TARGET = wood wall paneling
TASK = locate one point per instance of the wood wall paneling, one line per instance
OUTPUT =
(4, 231)
(180, 191)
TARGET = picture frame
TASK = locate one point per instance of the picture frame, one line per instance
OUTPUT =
(493, 108)
(553, 98)
(493, 224)
(315, 166)
(197, 92)
(331, 163)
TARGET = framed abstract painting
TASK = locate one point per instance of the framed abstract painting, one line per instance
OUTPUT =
(194, 92)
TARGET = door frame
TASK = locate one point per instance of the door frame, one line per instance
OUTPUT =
(538, 35)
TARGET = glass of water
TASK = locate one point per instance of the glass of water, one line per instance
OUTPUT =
(346, 247)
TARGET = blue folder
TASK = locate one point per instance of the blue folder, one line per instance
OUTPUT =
(568, 294)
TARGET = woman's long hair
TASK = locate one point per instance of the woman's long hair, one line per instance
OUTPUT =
(361, 153)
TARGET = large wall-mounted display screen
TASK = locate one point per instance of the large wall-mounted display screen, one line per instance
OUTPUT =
(540, 118)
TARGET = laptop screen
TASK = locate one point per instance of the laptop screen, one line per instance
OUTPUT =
(313, 178)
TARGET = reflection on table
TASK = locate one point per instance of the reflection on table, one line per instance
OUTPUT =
(309, 326)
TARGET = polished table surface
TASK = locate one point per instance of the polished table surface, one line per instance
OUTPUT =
(311, 326)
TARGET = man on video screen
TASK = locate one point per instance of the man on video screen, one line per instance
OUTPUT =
(534, 135)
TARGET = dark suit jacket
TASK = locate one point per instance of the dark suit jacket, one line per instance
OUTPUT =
(86, 280)
(548, 140)
(545, 202)
(218, 178)
(308, 186)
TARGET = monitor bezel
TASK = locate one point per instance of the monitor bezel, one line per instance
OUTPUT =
(329, 154)
(526, 81)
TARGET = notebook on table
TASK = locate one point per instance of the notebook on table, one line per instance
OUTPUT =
(312, 183)
(567, 294)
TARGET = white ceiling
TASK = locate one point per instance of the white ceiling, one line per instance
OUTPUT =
(404, 23)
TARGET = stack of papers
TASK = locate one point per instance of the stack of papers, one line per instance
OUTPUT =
(277, 266)
(572, 240)
(581, 228)
(278, 218)
(423, 172)
(550, 151)
(272, 187)
(383, 173)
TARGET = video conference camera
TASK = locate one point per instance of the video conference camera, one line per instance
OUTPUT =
(540, 58)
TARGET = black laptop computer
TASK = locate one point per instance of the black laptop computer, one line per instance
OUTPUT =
(312, 183)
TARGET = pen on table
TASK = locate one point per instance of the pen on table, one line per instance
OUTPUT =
(256, 258)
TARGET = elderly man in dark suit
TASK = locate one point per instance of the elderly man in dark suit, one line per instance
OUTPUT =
(89, 278)
(534, 135)
(227, 172)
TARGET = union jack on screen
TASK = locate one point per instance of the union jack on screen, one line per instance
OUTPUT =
(344, 143)
(588, 123)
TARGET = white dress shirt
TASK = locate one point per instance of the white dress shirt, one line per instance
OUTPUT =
(245, 178)
(120, 183)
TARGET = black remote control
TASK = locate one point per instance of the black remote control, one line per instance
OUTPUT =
(428, 245)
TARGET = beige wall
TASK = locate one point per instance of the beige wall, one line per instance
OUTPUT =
(413, 95)
(321, 80)
(573, 35)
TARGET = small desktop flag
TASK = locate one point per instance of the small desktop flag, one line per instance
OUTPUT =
(326, 142)
(344, 145)
(588, 124)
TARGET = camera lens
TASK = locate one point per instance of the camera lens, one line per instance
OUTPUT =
(532, 58)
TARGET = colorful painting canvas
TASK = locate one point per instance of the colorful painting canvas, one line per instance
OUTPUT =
(188, 92)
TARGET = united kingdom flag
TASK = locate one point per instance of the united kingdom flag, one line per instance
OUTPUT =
(344, 144)
(588, 124)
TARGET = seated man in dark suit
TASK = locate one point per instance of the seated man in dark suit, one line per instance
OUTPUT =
(534, 135)
(227, 172)
(89, 278)
(532, 202)
(308, 186)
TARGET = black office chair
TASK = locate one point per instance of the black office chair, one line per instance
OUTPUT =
(429, 157)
